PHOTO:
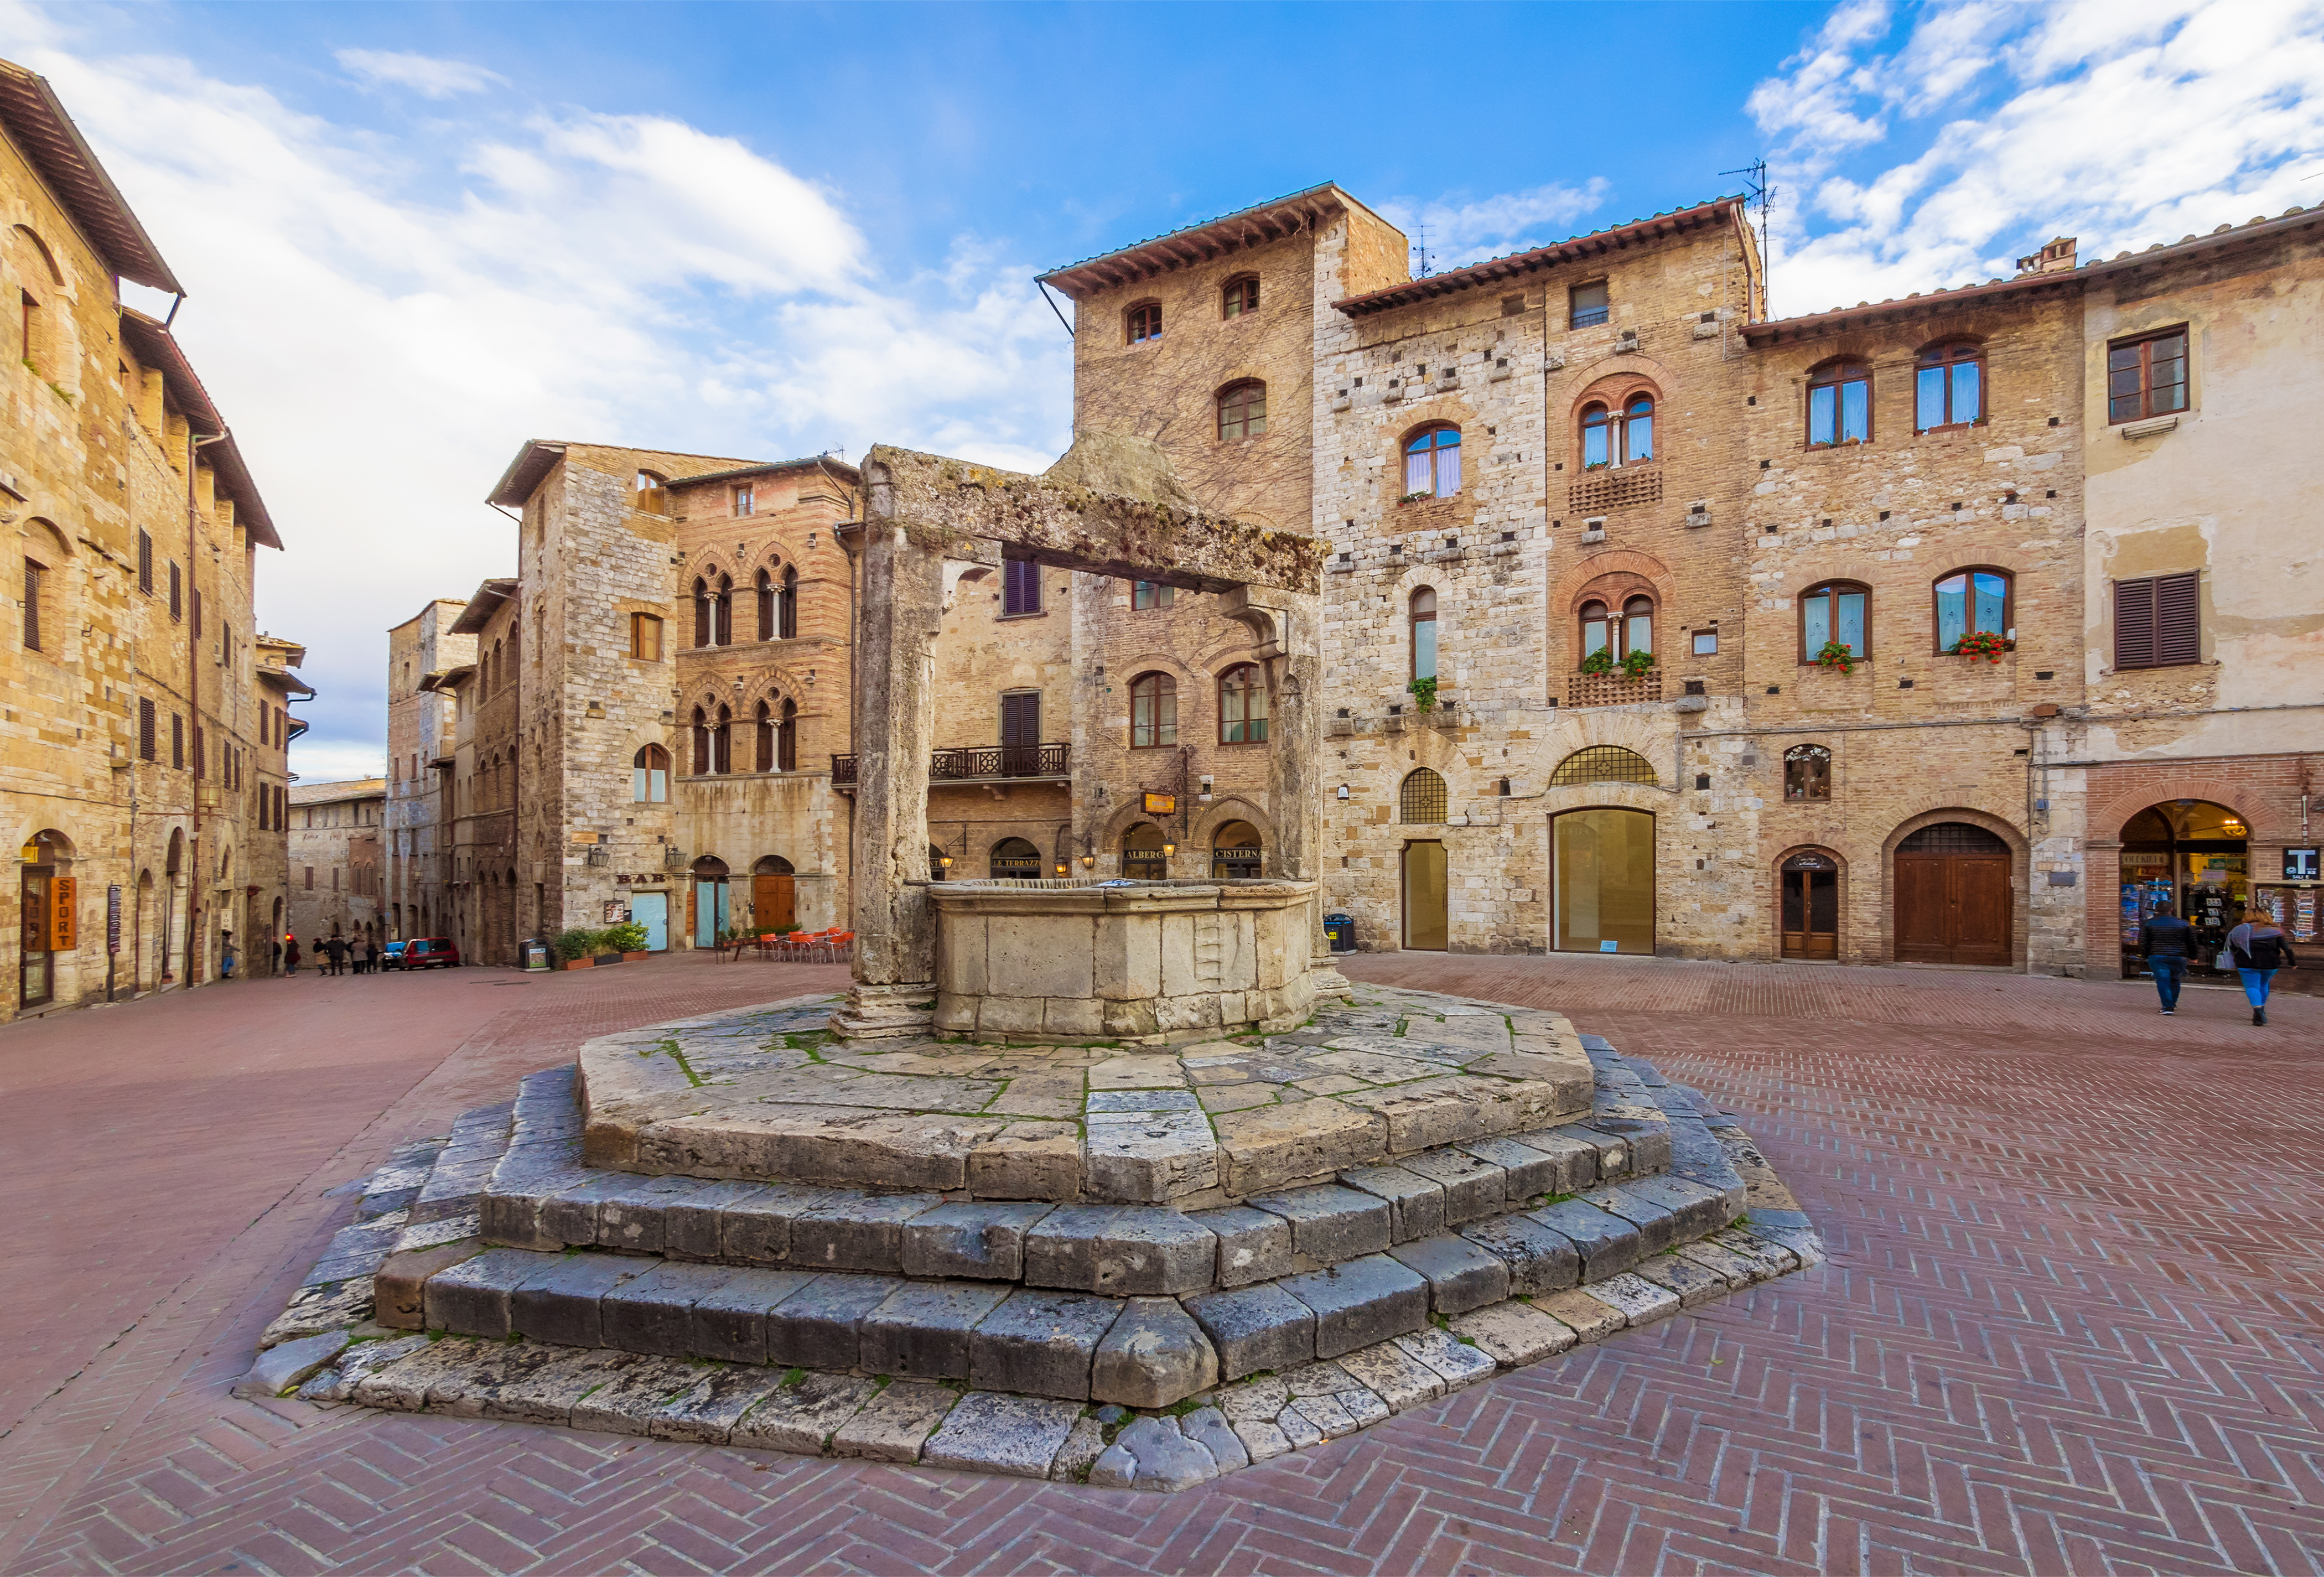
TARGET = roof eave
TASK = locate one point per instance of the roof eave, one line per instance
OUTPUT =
(1191, 245)
(523, 476)
(36, 121)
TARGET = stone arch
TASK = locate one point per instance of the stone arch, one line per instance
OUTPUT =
(2020, 886)
(30, 239)
(1628, 730)
(2104, 822)
(1773, 908)
(1569, 392)
(1229, 807)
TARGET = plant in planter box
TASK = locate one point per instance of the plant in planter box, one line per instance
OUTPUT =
(1600, 662)
(1424, 694)
(1416, 497)
(1837, 654)
(629, 937)
(1985, 643)
(1638, 664)
(574, 943)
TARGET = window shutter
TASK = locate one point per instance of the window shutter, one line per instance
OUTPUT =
(144, 731)
(178, 741)
(145, 562)
(31, 606)
(1020, 719)
(2178, 618)
(2134, 623)
(177, 593)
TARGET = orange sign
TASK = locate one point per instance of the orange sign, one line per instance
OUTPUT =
(1161, 804)
(64, 922)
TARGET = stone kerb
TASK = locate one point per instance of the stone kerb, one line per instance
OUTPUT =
(1065, 962)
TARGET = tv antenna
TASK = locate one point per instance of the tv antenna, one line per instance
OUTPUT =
(1420, 250)
(1761, 197)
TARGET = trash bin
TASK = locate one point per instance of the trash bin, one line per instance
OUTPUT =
(534, 952)
(1342, 931)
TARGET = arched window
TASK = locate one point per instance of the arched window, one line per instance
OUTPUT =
(1603, 763)
(1142, 322)
(1422, 619)
(1835, 613)
(1973, 602)
(712, 739)
(1637, 625)
(723, 607)
(1143, 855)
(1422, 798)
(1618, 636)
(701, 743)
(1152, 711)
(1839, 403)
(1014, 859)
(1597, 628)
(1638, 429)
(764, 736)
(705, 620)
(650, 775)
(1235, 851)
(786, 738)
(1612, 441)
(1807, 772)
(787, 606)
(1432, 463)
(1949, 386)
(1241, 296)
(1242, 704)
(766, 587)
(1242, 412)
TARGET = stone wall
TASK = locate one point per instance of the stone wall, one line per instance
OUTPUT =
(334, 860)
(421, 729)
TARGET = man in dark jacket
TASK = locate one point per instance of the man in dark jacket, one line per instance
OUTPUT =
(2167, 940)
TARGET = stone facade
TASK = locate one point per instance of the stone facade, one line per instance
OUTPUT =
(145, 724)
(422, 756)
(336, 877)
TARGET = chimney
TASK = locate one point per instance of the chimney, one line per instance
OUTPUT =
(2057, 257)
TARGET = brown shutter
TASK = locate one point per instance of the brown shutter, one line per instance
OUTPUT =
(2178, 618)
(144, 731)
(177, 593)
(178, 741)
(2134, 623)
(145, 562)
(31, 606)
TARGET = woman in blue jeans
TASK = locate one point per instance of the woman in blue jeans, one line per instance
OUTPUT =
(2259, 949)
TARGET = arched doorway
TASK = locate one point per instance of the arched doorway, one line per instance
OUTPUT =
(1810, 905)
(2189, 858)
(1427, 913)
(1144, 853)
(1235, 851)
(1603, 881)
(774, 896)
(273, 937)
(1015, 860)
(709, 900)
(49, 913)
(1952, 895)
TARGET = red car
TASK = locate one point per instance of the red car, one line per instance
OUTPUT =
(428, 953)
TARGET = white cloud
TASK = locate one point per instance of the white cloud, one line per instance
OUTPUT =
(1461, 232)
(422, 74)
(385, 316)
(2122, 123)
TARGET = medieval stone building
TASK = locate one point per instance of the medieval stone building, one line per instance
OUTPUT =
(336, 863)
(145, 721)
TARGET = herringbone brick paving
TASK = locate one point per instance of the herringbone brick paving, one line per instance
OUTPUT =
(2070, 1324)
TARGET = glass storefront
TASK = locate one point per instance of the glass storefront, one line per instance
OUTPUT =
(1604, 881)
(2185, 857)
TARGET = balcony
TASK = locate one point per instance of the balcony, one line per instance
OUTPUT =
(1614, 689)
(1612, 489)
(994, 763)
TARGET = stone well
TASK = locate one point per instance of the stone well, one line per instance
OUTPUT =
(1146, 962)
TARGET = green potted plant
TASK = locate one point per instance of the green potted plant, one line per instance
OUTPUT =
(1415, 497)
(1600, 662)
(1424, 694)
(1836, 654)
(1638, 664)
(628, 939)
(576, 948)
(1985, 643)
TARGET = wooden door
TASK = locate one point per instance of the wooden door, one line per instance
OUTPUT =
(1810, 913)
(1021, 734)
(774, 902)
(1426, 919)
(1952, 897)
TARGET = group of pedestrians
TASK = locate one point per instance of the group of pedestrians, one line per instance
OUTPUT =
(2255, 950)
(332, 956)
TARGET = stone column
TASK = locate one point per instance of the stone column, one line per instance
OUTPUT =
(895, 923)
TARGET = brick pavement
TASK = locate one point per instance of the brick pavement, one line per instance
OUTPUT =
(2070, 1323)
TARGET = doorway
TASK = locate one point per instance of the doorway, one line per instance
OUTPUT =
(1427, 922)
(1235, 851)
(709, 902)
(774, 896)
(651, 910)
(1952, 895)
(1143, 855)
(2189, 858)
(1811, 906)
(1603, 881)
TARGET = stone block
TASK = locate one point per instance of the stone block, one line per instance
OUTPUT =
(1698, 1208)
(756, 1229)
(569, 1215)
(820, 1326)
(1574, 1163)
(1416, 1203)
(405, 1384)
(356, 1364)
(1124, 1251)
(1459, 1275)
(1474, 1188)
(1028, 1161)
(1657, 1225)
(1208, 1428)
(1394, 1375)
(1040, 955)
(892, 1425)
(973, 1240)
(532, 1382)
(856, 1231)
(1254, 1245)
(1590, 1319)
(1151, 1454)
(1694, 1284)
(1613, 1149)
(1040, 1342)
(631, 1218)
(1649, 1143)
(1360, 1302)
(1072, 1015)
(1148, 1157)
(1256, 1328)
(690, 1224)
(1639, 1299)
(922, 1329)
(1458, 1362)
(1084, 1443)
(1275, 1146)
(1539, 1258)
(1330, 1223)
(1527, 1172)
(653, 1312)
(1111, 1102)
(628, 1401)
(708, 1410)
(1154, 1356)
(1016, 1437)
(399, 1287)
(472, 1297)
(1129, 961)
(281, 1368)
(561, 1305)
(1137, 1072)
(802, 1417)
(1514, 1332)
(1607, 1243)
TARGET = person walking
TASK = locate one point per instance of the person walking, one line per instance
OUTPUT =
(2260, 948)
(290, 956)
(370, 956)
(2166, 941)
(338, 946)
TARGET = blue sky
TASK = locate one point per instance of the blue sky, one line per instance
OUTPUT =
(416, 235)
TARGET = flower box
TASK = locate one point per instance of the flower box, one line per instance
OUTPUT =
(635, 957)
(579, 962)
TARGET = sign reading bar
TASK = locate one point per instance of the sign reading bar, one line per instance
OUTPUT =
(1161, 804)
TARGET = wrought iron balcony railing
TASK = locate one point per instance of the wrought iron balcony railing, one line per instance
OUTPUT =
(980, 763)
